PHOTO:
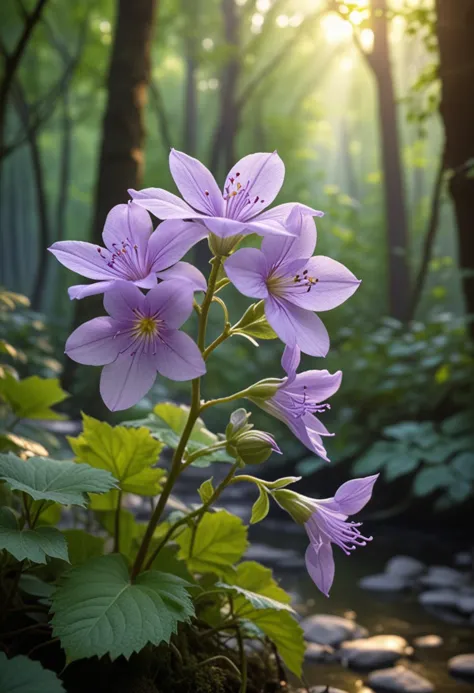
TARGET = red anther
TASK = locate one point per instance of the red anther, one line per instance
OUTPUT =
(237, 174)
(206, 192)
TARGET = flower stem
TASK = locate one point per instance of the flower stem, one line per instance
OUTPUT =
(224, 400)
(118, 512)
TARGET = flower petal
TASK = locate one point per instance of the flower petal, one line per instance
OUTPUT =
(334, 285)
(296, 326)
(178, 356)
(223, 227)
(122, 300)
(185, 272)
(83, 290)
(85, 259)
(320, 566)
(352, 496)
(282, 212)
(281, 251)
(319, 383)
(267, 228)
(163, 204)
(128, 223)
(147, 282)
(247, 270)
(261, 175)
(171, 241)
(126, 381)
(290, 361)
(196, 184)
(170, 301)
(307, 436)
(96, 342)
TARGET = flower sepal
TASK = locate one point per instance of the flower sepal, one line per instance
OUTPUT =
(223, 247)
(301, 508)
(263, 390)
(253, 447)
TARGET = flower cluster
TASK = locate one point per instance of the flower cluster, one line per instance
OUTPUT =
(140, 336)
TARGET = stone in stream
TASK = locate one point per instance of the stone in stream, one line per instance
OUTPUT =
(465, 603)
(463, 559)
(405, 567)
(443, 576)
(322, 689)
(385, 582)
(462, 665)
(444, 598)
(399, 679)
(428, 641)
(319, 653)
(375, 652)
(326, 629)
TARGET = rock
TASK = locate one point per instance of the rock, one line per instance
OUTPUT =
(443, 576)
(326, 629)
(462, 665)
(319, 653)
(428, 641)
(324, 689)
(465, 603)
(373, 653)
(399, 680)
(405, 566)
(463, 559)
(445, 598)
(385, 582)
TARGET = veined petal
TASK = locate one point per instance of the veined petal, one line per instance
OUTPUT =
(178, 356)
(315, 427)
(129, 224)
(96, 342)
(290, 361)
(352, 496)
(122, 300)
(267, 228)
(282, 212)
(196, 184)
(320, 566)
(319, 383)
(147, 282)
(223, 227)
(171, 302)
(260, 176)
(82, 290)
(171, 241)
(85, 259)
(308, 437)
(126, 381)
(185, 272)
(326, 285)
(283, 250)
(163, 204)
(297, 327)
(247, 270)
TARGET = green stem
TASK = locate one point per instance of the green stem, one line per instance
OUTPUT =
(218, 300)
(176, 464)
(224, 400)
(204, 451)
(118, 512)
(221, 338)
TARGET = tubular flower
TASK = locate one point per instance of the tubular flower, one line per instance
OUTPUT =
(326, 523)
(133, 252)
(298, 398)
(251, 185)
(293, 284)
(138, 338)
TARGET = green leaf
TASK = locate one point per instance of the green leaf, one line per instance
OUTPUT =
(206, 490)
(254, 323)
(431, 479)
(23, 675)
(129, 454)
(463, 464)
(60, 481)
(98, 611)
(32, 544)
(285, 633)
(255, 586)
(30, 584)
(33, 397)
(82, 545)
(417, 433)
(460, 490)
(405, 464)
(261, 507)
(129, 528)
(220, 541)
(459, 423)
(376, 457)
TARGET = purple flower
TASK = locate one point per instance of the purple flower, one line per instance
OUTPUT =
(251, 185)
(326, 523)
(140, 337)
(133, 252)
(298, 398)
(293, 284)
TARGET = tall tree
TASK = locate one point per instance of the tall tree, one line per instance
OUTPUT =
(455, 27)
(190, 96)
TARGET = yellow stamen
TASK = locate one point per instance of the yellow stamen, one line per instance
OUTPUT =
(146, 327)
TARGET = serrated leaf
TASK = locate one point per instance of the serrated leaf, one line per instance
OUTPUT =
(431, 479)
(286, 634)
(82, 546)
(254, 323)
(22, 675)
(129, 528)
(98, 611)
(31, 544)
(405, 464)
(220, 541)
(30, 584)
(128, 453)
(60, 481)
(255, 586)
(261, 507)
(33, 397)
(206, 490)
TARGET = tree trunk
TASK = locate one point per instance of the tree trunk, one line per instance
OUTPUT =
(455, 28)
(121, 157)
(190, 97)
(395, 207)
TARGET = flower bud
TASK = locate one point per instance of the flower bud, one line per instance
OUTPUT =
(301, 508)
(237, 424)
(254, 447)
(264, 389)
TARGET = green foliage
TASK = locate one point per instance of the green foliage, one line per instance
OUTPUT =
(255, 587)
(33, 397)
(60, 481)
(129, 454)
(22, 675)
(285, 633)
(219, 541)
(82, 545)
(253, 323)
(98, 611)
(261, 507)
(32, 544)
(206, 490)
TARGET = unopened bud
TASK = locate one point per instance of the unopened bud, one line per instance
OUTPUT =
(263, 390)
(255, 447)
(299, 507)
(238, 423)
